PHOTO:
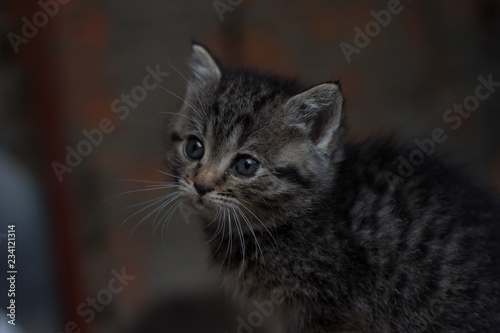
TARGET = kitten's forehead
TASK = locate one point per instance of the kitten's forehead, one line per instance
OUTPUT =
(253, 90)
(244, 104)
(232, 131)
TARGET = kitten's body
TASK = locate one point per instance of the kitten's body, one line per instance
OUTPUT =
(408, 258)
(345, 248)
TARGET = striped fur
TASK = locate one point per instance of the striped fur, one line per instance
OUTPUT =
(319, 223)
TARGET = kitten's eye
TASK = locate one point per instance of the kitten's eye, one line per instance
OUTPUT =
(194, 149)
(246, 166)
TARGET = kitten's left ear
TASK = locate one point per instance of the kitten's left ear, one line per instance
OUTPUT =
(320, 110)
(203, 65)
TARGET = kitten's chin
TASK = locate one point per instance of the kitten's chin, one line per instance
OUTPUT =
(206, 209)
(201, 204)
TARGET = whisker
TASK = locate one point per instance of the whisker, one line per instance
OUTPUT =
(179, 72)
(196, 122)
(166, 184)
(230, 238)
(179, 114)
(216, 214)
(143, 181)
(165, 187)
(222, 238)
(156, 201)
(169, 216)
(165, 204)
(189, 83)
(163, 172)
(270, 234)
(180, 98)
(241, 234)
(151, 213)
(218, 230)
(257, 245)
(141, 203)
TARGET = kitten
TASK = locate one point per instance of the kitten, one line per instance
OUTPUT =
(293, 210)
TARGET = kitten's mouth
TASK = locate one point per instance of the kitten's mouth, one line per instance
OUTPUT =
(204, 204)
(201, 204)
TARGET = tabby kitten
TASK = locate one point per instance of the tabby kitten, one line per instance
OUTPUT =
(292, 209)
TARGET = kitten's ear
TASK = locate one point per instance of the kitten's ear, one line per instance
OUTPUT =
(320, 110)
(203, 65)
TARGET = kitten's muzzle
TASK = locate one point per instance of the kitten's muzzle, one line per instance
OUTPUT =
(202, 189)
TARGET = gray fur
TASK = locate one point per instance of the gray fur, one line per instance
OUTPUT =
(319, 223)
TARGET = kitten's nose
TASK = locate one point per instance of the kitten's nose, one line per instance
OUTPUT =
(202, 189)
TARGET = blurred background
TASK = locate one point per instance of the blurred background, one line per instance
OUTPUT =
(78, 124)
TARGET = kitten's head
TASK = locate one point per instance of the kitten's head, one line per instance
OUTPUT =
(246, 143)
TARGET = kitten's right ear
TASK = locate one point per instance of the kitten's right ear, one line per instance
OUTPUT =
(204, 65)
